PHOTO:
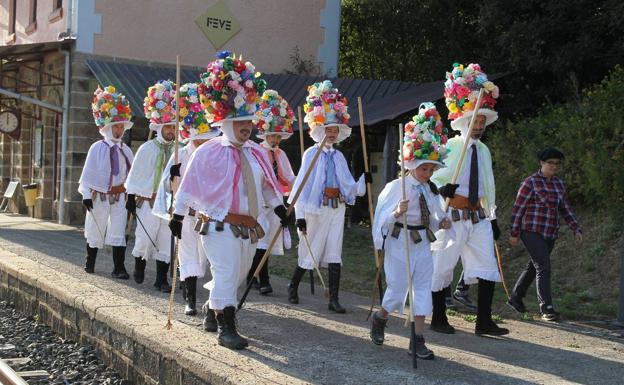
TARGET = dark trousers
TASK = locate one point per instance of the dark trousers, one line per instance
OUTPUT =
(537, 268)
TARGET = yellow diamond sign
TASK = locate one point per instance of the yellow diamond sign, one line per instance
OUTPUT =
(218, 24)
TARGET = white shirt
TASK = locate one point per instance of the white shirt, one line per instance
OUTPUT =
(463, 179)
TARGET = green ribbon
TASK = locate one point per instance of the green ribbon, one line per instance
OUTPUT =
(164, 153)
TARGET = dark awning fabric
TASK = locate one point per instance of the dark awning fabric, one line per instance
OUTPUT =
(382, 99)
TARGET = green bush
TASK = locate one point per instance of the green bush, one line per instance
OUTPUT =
(589, 131)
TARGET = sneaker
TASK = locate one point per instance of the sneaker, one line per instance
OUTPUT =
(449, 303)
(516, 304)
(549, 314)
(464, 299)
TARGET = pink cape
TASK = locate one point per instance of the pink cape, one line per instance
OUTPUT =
(210, 183)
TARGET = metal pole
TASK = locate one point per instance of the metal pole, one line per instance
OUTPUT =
(61, 203)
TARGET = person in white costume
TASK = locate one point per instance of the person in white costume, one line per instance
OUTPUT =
(320, 209)
(471, 201)
(274, 120)
(228, 180)
(102, 180)
(423, 152)
(152, 237)
(195, 131)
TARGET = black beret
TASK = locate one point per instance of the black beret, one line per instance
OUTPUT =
(549, 153)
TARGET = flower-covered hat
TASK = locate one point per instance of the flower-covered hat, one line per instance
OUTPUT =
(110, 107)
(461, 90)
(194, 124)
(324, 107)
(424, 138)
(230, 89)
(274, 116)
(158, 104)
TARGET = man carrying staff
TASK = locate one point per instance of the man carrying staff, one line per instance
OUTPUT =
(320, 209)
(152, 237)
(195, 131)
(274, 120)
(229, 179)
(102, 180)
(471, 201)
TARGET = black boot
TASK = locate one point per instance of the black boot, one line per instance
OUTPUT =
(119, 258)
(254, 265)
(265, 285)
(190, 285)
(485, 324)
(439, 322)
(377, 332)
(89, 266)
(334, 285)
(161, 284)
(228, 336)
(210, 320)
(139, 269)
(293, 286)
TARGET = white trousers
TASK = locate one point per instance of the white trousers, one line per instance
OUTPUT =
(272, 223)
(106, 223)
(395, 267)
(324, 231)
(474, 243)
(230, 260)
(159, 232)
(191, 254)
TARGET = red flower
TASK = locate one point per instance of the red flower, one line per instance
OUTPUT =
(217, 84)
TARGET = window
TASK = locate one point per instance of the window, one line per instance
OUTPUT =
(32, 18)
(12, 12)
(57, 11)
(57, 4)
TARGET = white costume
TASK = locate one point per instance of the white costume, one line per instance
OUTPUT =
(285, 177)
(420, 253)
(213, 184)
(143, 182)
(191, 254)
(325, 223)
(472, 241)
(106, 222)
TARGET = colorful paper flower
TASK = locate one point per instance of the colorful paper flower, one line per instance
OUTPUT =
(229, 88)
(158, 104)
(325, 105)
(110, 106)
(192, 113)
(274, 115)
(461, 90)
(425, 137)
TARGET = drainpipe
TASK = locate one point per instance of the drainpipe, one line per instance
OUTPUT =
(61, 203)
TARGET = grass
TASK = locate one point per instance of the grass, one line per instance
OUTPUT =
(585, 276)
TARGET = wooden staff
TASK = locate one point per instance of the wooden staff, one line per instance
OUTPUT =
(408, 260)
(174, 240)
(302, 150)
(288, 212)
(500, 268)
(465, 147)
(371, 214)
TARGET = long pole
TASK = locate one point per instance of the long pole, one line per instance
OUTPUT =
(408, 260)
(371, 213)
(288, 212)
(174, 240)
(465, 146)
(302, 149)
(620, 316)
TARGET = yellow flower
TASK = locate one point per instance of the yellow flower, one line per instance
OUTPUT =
(468, 106)
(453, 107)
(203, 128)
(433, 156)
(110, 89)
(183, 112)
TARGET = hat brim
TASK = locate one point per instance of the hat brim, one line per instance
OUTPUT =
(463, 121)
(413, 164)
(158, 126)
(127, 125)
(235, 119)
(318, 132)
(206, 135)
(284, 135)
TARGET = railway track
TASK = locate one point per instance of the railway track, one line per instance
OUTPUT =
(8, 376)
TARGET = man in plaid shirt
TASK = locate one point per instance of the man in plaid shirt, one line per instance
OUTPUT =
(535, 220)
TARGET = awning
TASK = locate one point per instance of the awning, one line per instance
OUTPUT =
(382, 99)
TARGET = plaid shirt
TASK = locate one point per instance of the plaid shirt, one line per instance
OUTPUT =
(537, 207)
